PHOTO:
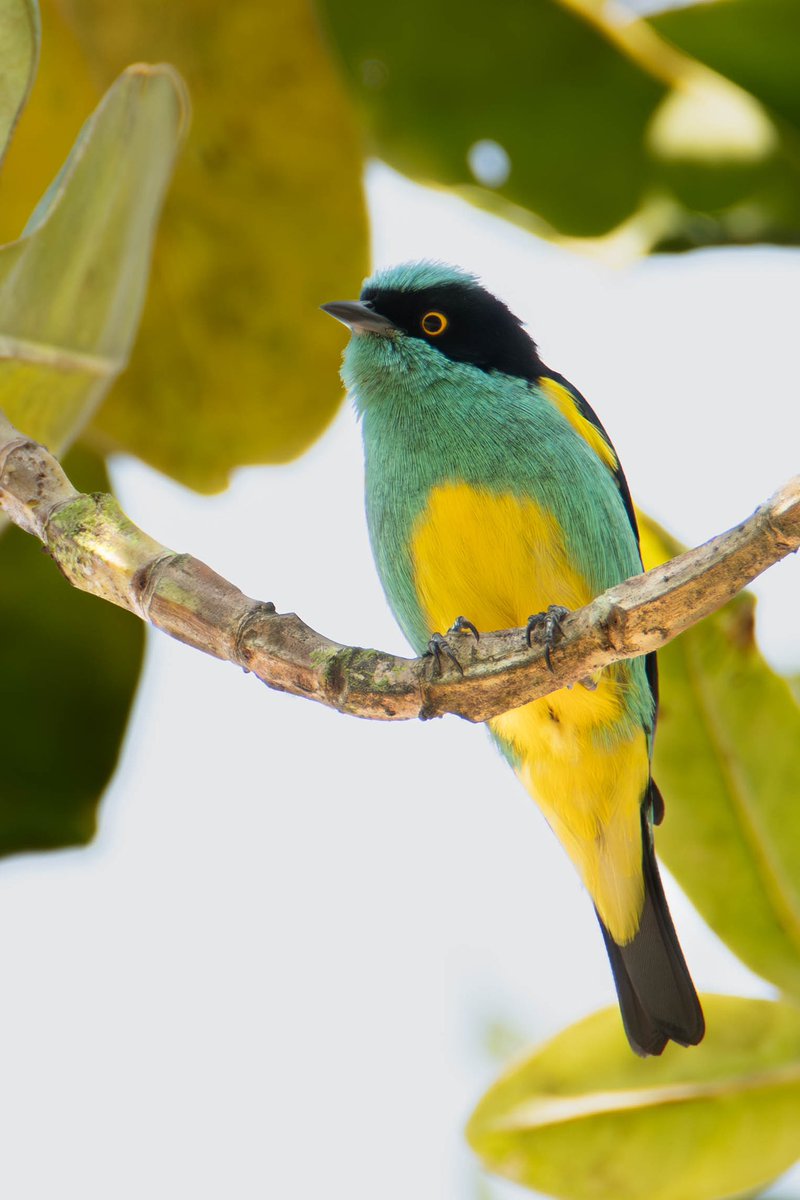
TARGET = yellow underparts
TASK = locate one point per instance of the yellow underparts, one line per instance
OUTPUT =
(496, 559)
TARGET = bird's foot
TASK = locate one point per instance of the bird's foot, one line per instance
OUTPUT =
(462, 625)
(439, 645)
(547, 628)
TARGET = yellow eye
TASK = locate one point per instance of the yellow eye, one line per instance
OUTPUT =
(434, 323)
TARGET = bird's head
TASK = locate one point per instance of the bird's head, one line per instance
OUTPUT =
(419, 316)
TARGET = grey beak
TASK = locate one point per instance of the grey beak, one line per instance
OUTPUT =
(359, 317)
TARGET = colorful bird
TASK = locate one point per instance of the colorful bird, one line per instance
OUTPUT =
(493, 491)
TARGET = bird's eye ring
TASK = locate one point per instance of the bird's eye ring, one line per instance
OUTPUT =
(434, 323)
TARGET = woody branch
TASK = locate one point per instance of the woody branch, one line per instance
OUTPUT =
(101, 551)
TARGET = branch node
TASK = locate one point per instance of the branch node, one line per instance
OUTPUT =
(783, 540)
(145, 581)
(55, 509)
(243, 654)
(10, 448)
(612, 625)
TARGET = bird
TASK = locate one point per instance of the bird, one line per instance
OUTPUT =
(495, 500)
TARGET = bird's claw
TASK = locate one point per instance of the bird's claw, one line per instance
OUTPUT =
(548, 630)
(437, 646)
(462, 625)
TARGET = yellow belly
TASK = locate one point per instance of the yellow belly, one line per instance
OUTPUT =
(496, 559)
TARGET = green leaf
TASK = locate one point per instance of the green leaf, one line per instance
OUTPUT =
(569, 110)
(602, 121)
(71, 664)
(72, 287)
(583, 1118)
(752, 42)
(265, 221)
(19, 39)
(726, 761)
(737, 198)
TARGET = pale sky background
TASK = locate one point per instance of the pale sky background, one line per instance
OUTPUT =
(274, 973)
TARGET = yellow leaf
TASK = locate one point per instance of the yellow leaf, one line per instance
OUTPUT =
(265, 221)
(48, 125)
(584, 1119)
(19, 37)
(72, 287)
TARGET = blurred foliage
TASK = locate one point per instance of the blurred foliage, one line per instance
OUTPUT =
(265, 221)
(72, 286)
(583, 1119)
(669, 133)
(752, 42)
(71, 291)
(528, 75)
(755, 198)
(726, 760)
(70, 669)
(19, 36)
(602, 119)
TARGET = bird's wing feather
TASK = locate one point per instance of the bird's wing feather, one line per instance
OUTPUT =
(579, 412)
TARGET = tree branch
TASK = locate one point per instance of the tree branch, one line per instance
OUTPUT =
(101, 551)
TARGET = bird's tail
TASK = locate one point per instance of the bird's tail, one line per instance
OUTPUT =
(656, 994)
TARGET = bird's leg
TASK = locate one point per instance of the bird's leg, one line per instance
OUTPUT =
(547, 627)
(439, 645)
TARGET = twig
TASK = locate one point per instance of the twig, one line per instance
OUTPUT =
(101, 551)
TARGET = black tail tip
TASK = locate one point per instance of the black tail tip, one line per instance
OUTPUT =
(658, 1005)
(648, 1036)
(657, 998)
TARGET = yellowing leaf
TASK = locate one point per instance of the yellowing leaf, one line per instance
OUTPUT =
(72, 287)
(52, 118)
(19, 38)
(727, 762)
(584, 1119)
(265, 221)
